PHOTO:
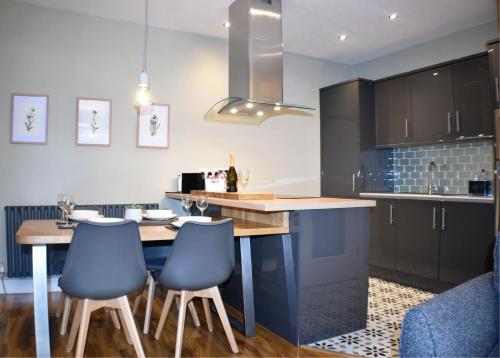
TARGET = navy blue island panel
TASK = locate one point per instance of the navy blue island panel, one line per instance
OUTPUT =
(310, 284)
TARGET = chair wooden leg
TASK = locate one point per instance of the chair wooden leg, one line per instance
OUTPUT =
(164, 313)
(65, 316)
(129, 324)
(82, 332)
(125, 330)
(149, 304)
(60, 305)
(137, 302)
(74, 326)
(180, 324)
(208, 314)
(192, 310)
(114, 318)
(194, 314)
(223, 317)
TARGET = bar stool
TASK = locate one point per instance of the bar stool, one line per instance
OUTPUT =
(202, 258)
(105, 263)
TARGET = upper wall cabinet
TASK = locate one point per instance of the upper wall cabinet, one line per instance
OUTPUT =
(444, 103)
(495, 83)
(473, 99)
(432, 105)
(393, 111)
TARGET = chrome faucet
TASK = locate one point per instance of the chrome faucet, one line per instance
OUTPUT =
(431, 185)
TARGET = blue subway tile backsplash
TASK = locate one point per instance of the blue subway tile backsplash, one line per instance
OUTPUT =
(406, 169)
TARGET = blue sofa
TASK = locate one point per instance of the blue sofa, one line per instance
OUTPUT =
(461, 322)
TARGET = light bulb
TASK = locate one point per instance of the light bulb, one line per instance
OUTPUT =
(260, 113)
(249, 105)
(233, 110)
(143, 97)
(277, 108)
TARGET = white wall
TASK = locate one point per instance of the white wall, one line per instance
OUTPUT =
(458, 44)
(66, 55)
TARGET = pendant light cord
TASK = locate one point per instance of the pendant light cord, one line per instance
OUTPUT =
(146, 35)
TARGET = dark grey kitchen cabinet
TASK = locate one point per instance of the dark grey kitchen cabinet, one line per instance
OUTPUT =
(346, 128)
(494, 77)
(467, 237)
(383, 234)
(473, 98)
(393, 111)
(417, 248)
(432, 105)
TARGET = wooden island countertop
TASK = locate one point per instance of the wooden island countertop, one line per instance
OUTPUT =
(285, 204)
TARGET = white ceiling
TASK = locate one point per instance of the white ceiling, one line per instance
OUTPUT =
(310, 27)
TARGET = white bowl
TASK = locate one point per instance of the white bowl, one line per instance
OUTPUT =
(105, 220)
(160, 213)
(84, 214)
(198, 219)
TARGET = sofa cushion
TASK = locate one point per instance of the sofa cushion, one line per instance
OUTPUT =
(496, 270)
(460, 322)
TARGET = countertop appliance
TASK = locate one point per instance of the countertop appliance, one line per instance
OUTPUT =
(192, 181)
(479, 187)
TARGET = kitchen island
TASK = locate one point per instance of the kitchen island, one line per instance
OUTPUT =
(308, 280)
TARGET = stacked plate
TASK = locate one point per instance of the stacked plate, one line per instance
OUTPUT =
(159, 214)
(184, 219)
(102, 220)
(83, 215)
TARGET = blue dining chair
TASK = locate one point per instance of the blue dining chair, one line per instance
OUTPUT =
(202, 258)
(105, 263)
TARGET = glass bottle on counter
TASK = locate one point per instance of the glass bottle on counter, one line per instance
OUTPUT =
(232, 176)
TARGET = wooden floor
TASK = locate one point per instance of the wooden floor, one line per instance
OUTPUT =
(17, 335)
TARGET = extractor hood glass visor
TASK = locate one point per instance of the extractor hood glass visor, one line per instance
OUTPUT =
(243, 111)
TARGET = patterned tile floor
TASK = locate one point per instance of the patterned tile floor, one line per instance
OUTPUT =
(387, 304)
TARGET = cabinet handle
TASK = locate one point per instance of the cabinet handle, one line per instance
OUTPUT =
(434, 211)
(449, 122)
(497, 95)
(391, 214)
(406, 127)
(457, 120)
(443, 218)
(353, 182)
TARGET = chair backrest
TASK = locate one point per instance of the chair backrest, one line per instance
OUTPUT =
(202, 256)
(104, 261)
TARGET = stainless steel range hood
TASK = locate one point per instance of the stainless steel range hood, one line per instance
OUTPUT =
(255, 66)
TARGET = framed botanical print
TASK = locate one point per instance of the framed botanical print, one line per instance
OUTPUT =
(153, 126)
(93, 123)
(29, 118)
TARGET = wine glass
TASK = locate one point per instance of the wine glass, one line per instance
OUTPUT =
(202, 204)
(61, 198)
(243, 177)
(187, 202)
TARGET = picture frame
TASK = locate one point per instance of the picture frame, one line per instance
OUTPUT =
(29, 119)
(93, 122)
(153, 126)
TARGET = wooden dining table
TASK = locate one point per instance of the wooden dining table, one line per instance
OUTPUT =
(40, 233)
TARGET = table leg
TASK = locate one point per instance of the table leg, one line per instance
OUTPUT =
(247, 284)
(40, 300)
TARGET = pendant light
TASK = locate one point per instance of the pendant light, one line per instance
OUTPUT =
(143, 97)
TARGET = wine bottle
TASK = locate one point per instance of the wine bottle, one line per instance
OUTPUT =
(232, 176)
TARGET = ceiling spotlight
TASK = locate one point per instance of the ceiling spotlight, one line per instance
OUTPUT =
(277, 108)
(249, 105)
(260, 113)
(342, 37)
(393, 16)
(233, 110)
(226, 24)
